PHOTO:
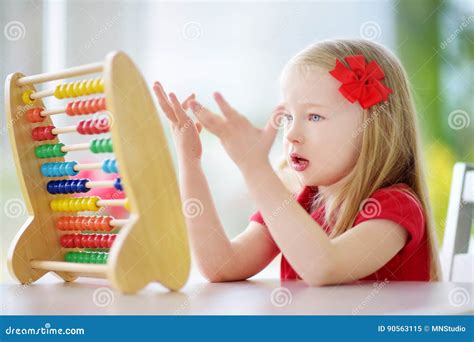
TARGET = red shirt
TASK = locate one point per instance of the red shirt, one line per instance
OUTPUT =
(411, 262)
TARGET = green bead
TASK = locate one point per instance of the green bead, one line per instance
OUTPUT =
(93, 258)
(101, 145)
(80, 257)
(49, 150)
(67, 256)
(73, 256)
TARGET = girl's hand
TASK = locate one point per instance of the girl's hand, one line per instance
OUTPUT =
(185, 131)
(247, 145)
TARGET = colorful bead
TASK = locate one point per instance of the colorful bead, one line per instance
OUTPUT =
(79, 88)
(75, 204)
(118, 184)
(67, 186)
(110, 166)
(93, 126)
(101, 145)
(59, 169)
(43, 133)
(26, 97)
(86, 257)
(34, 115)
(88, 106)
(85, 223)
(87, 240)
(49, 150)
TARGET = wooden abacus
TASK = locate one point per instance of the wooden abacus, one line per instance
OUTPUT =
(151, 244)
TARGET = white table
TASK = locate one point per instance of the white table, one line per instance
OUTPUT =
(259, 296)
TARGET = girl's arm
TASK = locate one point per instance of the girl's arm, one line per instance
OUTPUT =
(317, 259)
(218, 258)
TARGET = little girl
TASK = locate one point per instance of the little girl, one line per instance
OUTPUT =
(350, 137)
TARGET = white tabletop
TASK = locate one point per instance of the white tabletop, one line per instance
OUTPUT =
(259, 296)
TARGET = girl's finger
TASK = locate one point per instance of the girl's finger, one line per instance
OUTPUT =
(199, 127)
(164, 103)
(185, 104)
(226, 109)
(211, 121)
(179, 111)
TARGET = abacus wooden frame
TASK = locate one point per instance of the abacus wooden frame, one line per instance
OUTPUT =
(153, 245)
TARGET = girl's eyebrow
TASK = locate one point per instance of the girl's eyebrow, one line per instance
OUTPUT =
(304, 105)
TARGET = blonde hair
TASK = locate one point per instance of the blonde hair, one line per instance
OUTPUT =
(390, 151)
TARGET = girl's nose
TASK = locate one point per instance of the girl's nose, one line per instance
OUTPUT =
(294, 135)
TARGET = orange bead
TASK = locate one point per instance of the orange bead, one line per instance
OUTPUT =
(34, 115)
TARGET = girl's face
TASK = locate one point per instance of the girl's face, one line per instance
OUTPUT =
(321, 138)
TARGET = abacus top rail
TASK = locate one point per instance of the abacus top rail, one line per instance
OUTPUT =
(66, 73)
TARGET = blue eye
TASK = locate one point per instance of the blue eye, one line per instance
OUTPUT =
(315, 117)
(287, 118)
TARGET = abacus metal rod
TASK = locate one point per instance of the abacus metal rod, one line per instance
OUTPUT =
(67, 73)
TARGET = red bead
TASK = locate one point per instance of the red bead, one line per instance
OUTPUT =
(77, 240)
(111, 239)
(43, 133)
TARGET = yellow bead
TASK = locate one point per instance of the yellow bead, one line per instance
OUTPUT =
(127, 204)
(26, 97)
(83, 87)
(75, 88)
(89, 87)
(57, 92)
(63, 90)
(101, 86)
(70, 90)
(96, 85)
(92, 204)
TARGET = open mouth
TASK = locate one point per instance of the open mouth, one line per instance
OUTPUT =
(298, 163)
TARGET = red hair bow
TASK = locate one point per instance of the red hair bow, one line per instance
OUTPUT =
(361, 81)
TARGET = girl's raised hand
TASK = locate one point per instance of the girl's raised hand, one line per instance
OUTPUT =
(185, 131)
(247, 145)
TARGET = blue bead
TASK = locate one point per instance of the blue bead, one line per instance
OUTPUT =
(50, 187)
(118, 184)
